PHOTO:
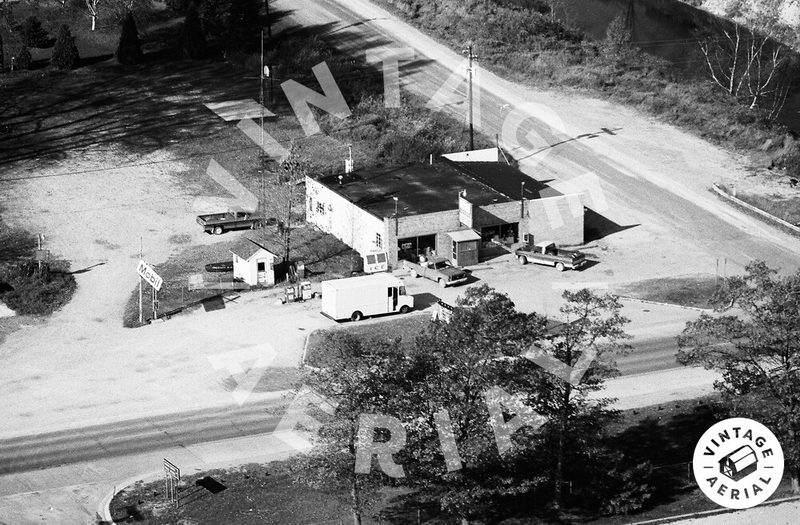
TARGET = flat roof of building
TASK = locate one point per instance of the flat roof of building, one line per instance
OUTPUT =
(506, 179)
(431, 188)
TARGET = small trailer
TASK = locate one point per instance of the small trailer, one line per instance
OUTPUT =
(219, 223)
(357, 297)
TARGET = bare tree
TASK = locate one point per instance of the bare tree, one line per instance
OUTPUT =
(92, 6)
(291, 173)
(750, 64)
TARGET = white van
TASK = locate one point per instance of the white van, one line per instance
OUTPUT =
(358, 297)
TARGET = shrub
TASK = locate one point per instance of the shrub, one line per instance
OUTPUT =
(65, 52)
(33, 34)
(129, 50)
(37, 292)
(193, 41)
(23, 58)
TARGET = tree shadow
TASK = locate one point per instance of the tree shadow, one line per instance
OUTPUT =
(667, 442)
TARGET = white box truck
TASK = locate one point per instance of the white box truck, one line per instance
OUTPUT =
(358, 297)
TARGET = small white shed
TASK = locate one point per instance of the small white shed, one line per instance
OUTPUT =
(253, 263)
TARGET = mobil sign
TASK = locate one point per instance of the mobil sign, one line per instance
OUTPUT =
(149, 274)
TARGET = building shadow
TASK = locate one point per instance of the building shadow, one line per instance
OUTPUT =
(596, 226)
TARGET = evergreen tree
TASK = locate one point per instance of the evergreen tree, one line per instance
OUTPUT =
(213, 14)
(65, 52)
(33, 34)
(24, 59)
(129, 50)
(193, 41)
(244, 27)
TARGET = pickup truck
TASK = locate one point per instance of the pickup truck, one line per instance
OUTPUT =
(437, 269)
(218, 223)
(547, 253)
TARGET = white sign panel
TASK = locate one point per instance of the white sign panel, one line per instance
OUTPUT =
(149, 274)
(464, 211)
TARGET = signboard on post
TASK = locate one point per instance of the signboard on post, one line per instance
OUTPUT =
(172, 476)
(464, 211)
(149, 275)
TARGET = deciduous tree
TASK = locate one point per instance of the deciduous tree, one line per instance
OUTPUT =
(93, 6)
(358, 378)
(284, 189)
(454, 366)
(590, 336)
(749, 63)
(757, 350)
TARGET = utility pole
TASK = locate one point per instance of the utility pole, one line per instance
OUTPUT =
(468, 51)
(141, 316)
(261, 91)
(261, 100)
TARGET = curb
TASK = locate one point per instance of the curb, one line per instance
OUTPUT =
(104, 506)
(752, 208)
(645, 301)
(716, 512)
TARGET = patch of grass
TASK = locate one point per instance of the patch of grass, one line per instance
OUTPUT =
(404, 327)
(254, 495)
(35, 291)
(23, 287)
(786, 208)
(324, 256)
(696, 291)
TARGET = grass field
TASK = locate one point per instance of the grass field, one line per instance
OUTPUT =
(695, 291)
(405, 327)
(324, 256)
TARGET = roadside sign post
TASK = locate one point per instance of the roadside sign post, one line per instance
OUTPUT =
(172, 476)
(150, 276)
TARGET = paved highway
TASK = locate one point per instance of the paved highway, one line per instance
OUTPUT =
(137, 436)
